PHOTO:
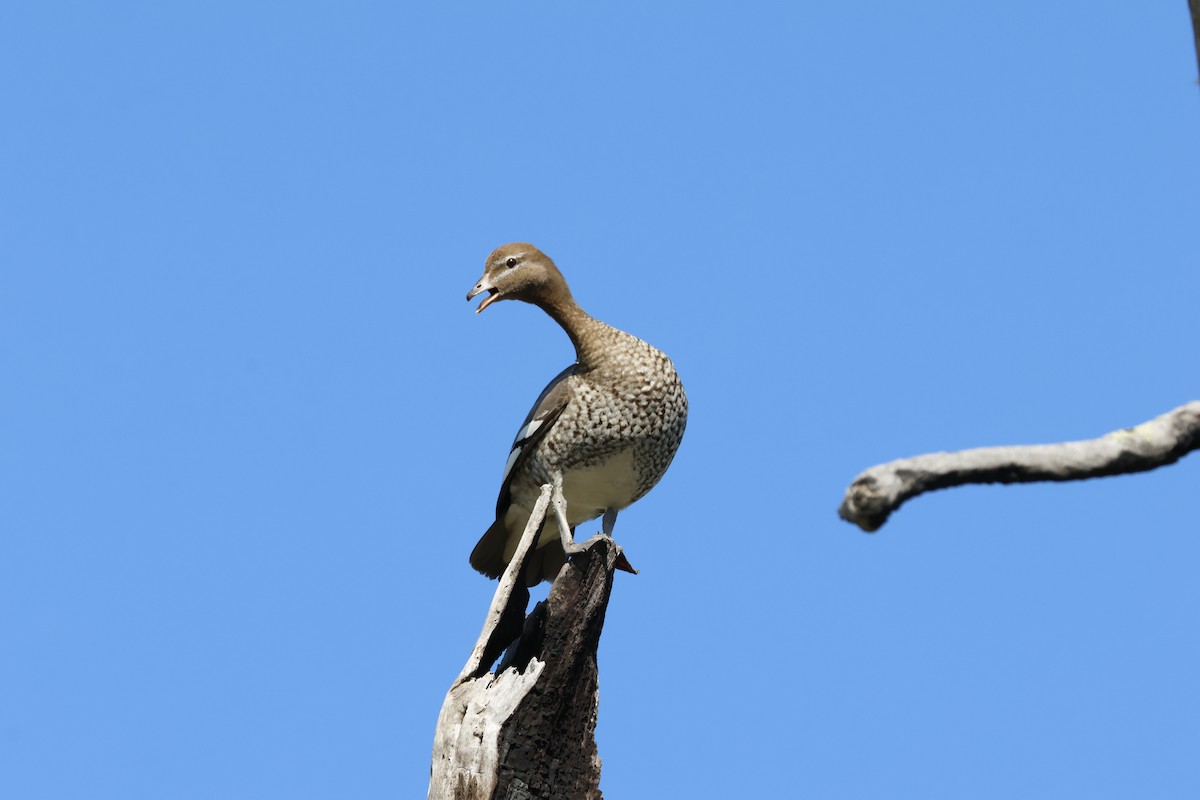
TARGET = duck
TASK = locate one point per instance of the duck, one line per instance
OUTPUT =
(602, 433)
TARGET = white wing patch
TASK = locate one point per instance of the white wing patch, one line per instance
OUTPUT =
(529, 430)
(508, 465)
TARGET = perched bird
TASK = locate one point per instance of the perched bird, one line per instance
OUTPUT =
(602, 433)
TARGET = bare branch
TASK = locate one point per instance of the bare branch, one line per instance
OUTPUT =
(879, 491)
(507, 611)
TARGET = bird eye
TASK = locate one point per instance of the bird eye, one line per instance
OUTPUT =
(512, 262)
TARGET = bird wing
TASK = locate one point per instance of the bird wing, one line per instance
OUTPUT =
(541, 418)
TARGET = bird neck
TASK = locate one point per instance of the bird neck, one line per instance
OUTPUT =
(580, 327)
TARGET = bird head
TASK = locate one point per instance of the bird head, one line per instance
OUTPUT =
(519, 271)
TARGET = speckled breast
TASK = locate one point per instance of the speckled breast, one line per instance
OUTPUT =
(619, 433)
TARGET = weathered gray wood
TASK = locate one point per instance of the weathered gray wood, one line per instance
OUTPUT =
(509, 601)
(527, 729)
(879, 491)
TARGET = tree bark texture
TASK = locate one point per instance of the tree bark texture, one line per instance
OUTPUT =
(526, 730)
(876, 493)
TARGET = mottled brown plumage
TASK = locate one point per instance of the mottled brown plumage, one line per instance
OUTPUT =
(605, 429)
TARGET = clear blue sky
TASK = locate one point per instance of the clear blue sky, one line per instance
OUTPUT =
(250, 430)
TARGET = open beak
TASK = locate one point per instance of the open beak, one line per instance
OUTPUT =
(484, 285)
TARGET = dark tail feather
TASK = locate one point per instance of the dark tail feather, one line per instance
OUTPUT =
(543, 563)
(488, 555)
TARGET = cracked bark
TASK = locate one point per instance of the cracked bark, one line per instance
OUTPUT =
(526, 729)
(879, 491)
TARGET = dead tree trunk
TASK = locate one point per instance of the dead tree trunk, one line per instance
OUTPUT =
(879, 491)
(526, 730)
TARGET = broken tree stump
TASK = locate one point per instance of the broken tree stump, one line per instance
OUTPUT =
(526, 729)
